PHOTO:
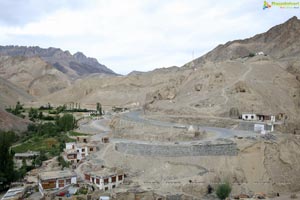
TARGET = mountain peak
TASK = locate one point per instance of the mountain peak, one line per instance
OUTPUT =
(73, 65)
(279, 41)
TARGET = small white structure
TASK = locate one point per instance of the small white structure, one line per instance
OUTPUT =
(105, 179)
(249, 117)
(104, 198)
(259, 53)
(55, 180)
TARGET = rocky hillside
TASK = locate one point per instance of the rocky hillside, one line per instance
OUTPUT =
(11, 93)
(9, 122)
(280, 42)
(73, 66)
(32, 74)
(224, 79)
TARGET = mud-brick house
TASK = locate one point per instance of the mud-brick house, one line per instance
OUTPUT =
(28, 157)
(106, 178)
(55, 180)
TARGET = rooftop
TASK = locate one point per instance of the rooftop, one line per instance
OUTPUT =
(106, 172)
(27, 154)
(56, 174)
(13, 193)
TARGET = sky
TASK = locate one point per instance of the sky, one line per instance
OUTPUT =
(140, 35)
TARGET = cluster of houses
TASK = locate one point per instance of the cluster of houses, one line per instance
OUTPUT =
(79, 150)
(54, 182)
(75, 153)
(65, 181)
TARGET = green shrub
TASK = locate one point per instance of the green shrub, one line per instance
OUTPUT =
(251, 55)
(223, 190)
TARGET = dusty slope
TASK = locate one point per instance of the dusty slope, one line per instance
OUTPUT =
(117, 90)
(259, 84)
(10, 94)
(260, 166)
(33, 75)
(281, 41)
(9, 122)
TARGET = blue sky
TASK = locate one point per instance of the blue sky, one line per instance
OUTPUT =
(141, 35)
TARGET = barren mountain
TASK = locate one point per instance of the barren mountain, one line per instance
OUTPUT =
(280, 42)
(73, 66)
(32, 74)
(229, 78)
(11, 93)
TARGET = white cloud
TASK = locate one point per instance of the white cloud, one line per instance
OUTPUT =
(143, 35)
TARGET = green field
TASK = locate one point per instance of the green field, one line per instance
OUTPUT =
(51, 145)
(73, 133)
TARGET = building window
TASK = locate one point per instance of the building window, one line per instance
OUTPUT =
(91, 149)
(83, 150)
(97, 181)
(87, 177)
(68, 181)
(113, 186)
(61, 183)
(120, 177)
(84, 140)
(105, 181)
(106, 188)
(246, 116)
(252, 117)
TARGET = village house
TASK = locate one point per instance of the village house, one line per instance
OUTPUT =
(258, 117)
(75, 152)
(83, 139)
(28, 157)
(55, 180)
(106, 178)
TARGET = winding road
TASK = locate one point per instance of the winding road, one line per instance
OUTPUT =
(101, 128)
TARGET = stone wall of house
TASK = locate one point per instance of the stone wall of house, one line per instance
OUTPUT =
(177, 150)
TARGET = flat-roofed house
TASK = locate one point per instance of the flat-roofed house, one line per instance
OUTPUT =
(55, 180)
(75, 152)
(27, 156)
(106, 178)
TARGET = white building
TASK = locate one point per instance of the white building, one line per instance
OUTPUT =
(55, 180)
(75, 152)
(105, 179)
(258, 117)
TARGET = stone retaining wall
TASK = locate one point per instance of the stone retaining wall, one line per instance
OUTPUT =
(227, 149)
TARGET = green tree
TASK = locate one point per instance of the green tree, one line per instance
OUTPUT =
(99, 108)
(223, 190)
(41, 115)
(33, 114)
(7, 174)
(66, 122)
(62, 162)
